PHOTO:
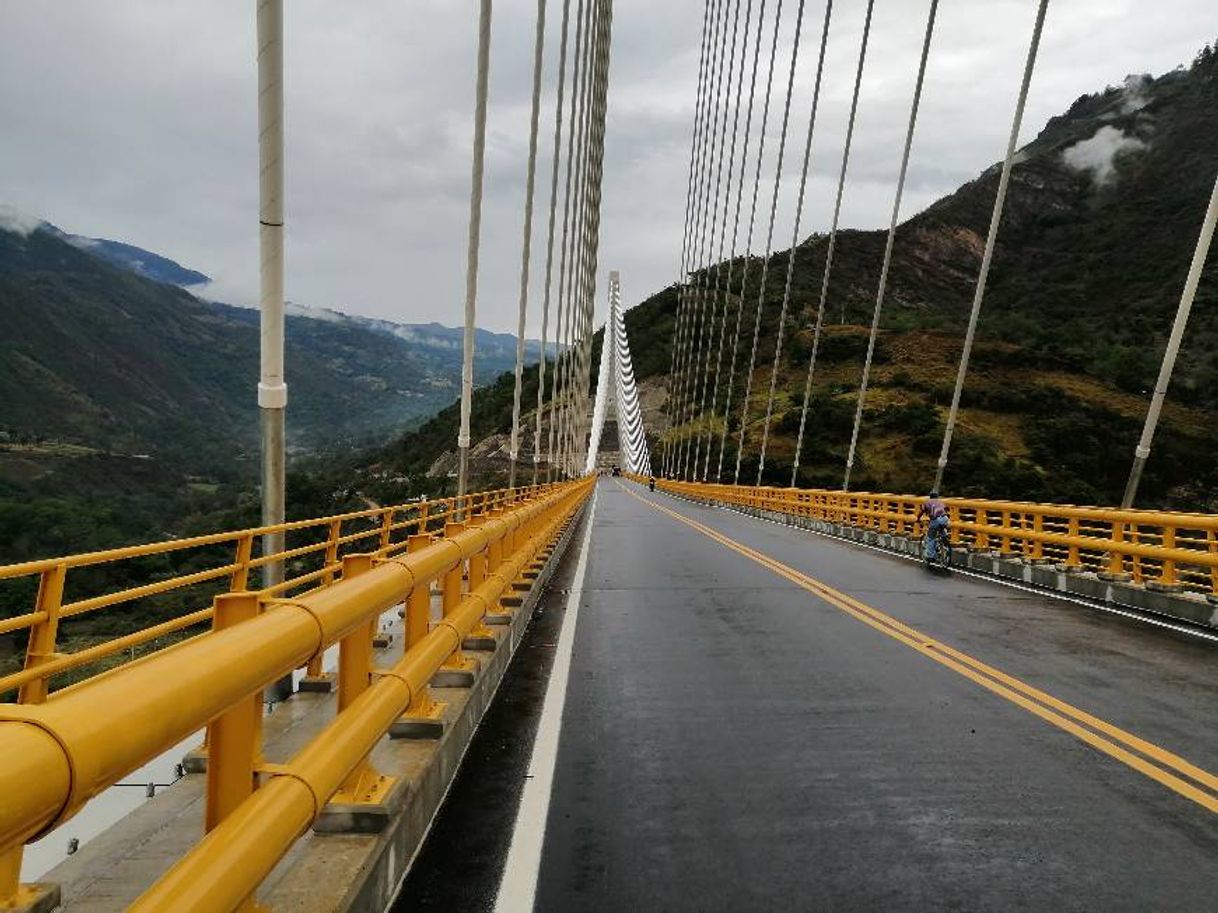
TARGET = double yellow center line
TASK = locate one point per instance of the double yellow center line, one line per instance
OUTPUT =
(1160, 765)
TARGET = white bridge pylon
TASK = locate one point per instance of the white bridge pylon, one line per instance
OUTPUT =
(616, 371)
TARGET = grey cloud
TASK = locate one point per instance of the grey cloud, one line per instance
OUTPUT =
(137, 121)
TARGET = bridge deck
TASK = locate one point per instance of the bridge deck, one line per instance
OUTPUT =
(733, 740)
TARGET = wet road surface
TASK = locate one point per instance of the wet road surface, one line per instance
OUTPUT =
(760, 718)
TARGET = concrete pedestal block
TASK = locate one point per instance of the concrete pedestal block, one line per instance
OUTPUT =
(1114, 578)
(38, 897)
(1156, 586)
(500, 618)
(480, 640)
(195, 760)
(454, 677)
(1087, 585)
(319, 684)
(1045, 575)
(429, 725)
(369, 817)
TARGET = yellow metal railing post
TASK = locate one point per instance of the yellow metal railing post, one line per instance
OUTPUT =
(380, 639)
(1073, 558)
(355, 650)
(17, 896)
(1211, 538)
(10, 877)
(418, 603)
(423, 715)
(451, 591)
(364, 784)
(315, 677)
(241, 576)
(43, 635)
(1116, 561)
(477, 570)
(1167, 572)
(450, 588)
(1038, 528)
(234, 738)
(386, 530)
(494, 551)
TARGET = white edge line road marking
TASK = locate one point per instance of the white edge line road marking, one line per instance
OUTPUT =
(518, 888)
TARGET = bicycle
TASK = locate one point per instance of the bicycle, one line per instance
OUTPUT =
(943, 548)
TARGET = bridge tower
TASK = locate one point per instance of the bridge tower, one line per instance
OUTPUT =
(617, 375)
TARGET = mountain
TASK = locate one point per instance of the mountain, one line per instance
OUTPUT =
(1099, 227)
(494, 352)
(128, 404)
(139, 261)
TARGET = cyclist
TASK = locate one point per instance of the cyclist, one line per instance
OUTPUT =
(936, 511)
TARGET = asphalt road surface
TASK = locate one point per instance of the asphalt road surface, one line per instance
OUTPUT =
(758, 718)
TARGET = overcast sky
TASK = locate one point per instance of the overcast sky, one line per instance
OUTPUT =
(136, 120)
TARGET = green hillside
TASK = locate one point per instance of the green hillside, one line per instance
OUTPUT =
(128, 410)
(1085, 281)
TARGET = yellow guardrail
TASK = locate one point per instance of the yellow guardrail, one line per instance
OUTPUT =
(61, 750)
(193, 570)
(1170, 550)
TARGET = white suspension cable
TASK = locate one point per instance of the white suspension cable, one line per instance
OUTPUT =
(720, 227)
(748, 247)
(1142, 452)
(799, 209)
(526, 244)
(695, 293)
(991, 238)
(545, 307)
(575, 142)
(731, 262)
(686, 295)
(475, 228)
(769, 241)
(883, 285)
(576, 239)
(678, 320)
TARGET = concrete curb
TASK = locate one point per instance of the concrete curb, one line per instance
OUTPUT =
(1192, 608)
(351, 872)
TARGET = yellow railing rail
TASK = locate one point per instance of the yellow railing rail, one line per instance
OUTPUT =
(199, 567)
(1164, 549)
(58, 752)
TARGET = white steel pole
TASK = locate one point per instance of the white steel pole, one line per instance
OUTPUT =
(1142, 452)
(272, 391)
(475, 229)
